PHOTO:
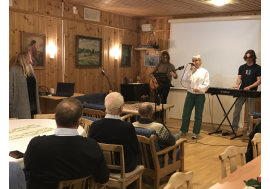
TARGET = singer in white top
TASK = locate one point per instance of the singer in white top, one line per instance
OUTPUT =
(198, 79)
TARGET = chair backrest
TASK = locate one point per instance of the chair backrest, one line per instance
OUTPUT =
(178, 179)
(231, 152)
(91, 118)
(256, 145)
(147, 145)
(86, 123)
(94, 113)
(149, 148)
(254, 119)
(73, 184)
(109, 155)
(44, 116)
(127, 117)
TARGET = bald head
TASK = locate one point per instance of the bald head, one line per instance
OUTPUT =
(68, 113)
(146, 110)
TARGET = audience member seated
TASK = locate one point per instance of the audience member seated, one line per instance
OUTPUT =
(16, 176)
(249, 153)
(112, 130)
(65, 155)
(164, 137)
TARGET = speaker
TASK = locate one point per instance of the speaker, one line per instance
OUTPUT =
(147, 27)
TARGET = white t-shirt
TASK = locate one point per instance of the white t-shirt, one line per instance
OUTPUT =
(197, 78)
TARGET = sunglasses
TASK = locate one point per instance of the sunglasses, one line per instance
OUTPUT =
(248, 57)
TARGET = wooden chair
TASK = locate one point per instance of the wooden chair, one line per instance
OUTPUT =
(231, 152)
(94, 113)
(158, 172)
(178, 179)
(122, 179)
(252, 122)
(256, 145)
(13, 118)
(86, 123)
(44, 116)
(127, 117)
(73, 184)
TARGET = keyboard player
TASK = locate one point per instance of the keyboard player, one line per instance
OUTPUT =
(249, 77)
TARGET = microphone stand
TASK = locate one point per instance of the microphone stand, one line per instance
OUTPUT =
(161, 79)
(156, 95)
(107, 80)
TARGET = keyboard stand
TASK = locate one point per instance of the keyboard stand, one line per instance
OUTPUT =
(226, 117)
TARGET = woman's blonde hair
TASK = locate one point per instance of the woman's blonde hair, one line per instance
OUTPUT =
(21, 60)
(198, 57)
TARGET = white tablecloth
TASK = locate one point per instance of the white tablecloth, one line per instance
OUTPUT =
(22, 143)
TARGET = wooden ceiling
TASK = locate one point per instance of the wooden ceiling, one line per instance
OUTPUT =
(171, 8)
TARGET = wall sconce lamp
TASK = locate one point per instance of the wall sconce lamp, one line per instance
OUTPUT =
(115, 52)
(51, 49)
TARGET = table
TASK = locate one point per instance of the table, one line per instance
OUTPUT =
(236, 179)
(23, 130)
(133, 109)
(49, 103)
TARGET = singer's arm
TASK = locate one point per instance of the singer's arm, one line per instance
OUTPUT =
(187, 76)
(153, 71)
(205, 85)
(238, 82)
(174, 74)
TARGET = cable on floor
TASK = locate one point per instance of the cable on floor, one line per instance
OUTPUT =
(188, 141)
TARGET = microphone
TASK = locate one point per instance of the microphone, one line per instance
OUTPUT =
(180, 68)
(192, 64)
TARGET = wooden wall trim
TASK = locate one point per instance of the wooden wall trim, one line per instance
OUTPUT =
(68, 19)
(255, 12)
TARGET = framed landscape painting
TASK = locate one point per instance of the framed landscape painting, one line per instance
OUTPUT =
(88, 52)
(35, 44)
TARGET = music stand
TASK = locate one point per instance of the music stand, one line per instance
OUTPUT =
(162, 79)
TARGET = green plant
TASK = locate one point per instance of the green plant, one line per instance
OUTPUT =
(255, 183)
(145, 98)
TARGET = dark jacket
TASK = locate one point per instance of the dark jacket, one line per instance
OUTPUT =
(249, 153)
(50, 159)
(115, 131)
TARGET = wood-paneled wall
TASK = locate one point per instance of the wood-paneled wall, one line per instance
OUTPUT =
(44, 17)
(162, 34)
(51, 27)
(92, 80)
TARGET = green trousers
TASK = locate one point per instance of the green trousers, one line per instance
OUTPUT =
(192, 100)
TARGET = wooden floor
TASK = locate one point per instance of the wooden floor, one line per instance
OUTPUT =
(201, 155)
